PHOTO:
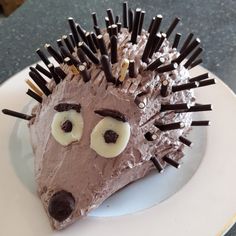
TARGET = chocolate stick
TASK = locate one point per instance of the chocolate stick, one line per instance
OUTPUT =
(172, 27)
(125, 14)
(185, 141)
(155, 64)
(140, 101)
(68, 43)
(114, 56)
(43, 71)
(54, 53)
(74, 30)
(199, 77)
(102, 45)
(34, 96)
(72, 67)
(158, 46)
(97, 30)
(150, 136)
(107, 22)
(191, 85)
(186, 42)
(132, 69)
(188, 50)
(176, 40)
(42, 80)
(171, 162)
(167, 68)
(54, 75)
(123, 70)
(114, 30)
(90, 42)
(60, 72)
(173, 107)
(110, 16)
(151, 24)
(206, 82)
(42, 56)
(81, 32)
(141, 22)
(198, 108)
(106, 65)
(172, 126)
(95, 21)
(39, 82)
(149, 44)
(59, 43)
(157, 164)
(131, 19)
(195, 63)
(72, 40)
(95, 41)
(117, 19)
(119, 26)
(200, 123)
(84, 72)
(65, 53)
(89, 53)
(135, 29)
(109, 30)
(34, 88)
(82, 56)
(193, 57)
(156, 40)
(16, 114)
(164, 88)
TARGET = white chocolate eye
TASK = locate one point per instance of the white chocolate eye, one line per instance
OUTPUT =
(110, 137)
(67, 127)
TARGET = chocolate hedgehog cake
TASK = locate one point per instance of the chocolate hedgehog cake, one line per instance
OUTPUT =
(117, 104)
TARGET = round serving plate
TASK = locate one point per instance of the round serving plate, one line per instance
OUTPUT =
(197, 199)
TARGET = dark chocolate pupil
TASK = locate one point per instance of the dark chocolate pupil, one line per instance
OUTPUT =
(67, 126)
(61, 205)
(110, 136)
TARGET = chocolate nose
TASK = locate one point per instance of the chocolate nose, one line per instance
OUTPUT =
(61, 205)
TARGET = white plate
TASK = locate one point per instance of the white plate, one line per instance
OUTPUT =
(198, 199)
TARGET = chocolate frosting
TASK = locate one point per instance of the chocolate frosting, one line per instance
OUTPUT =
(79, 170)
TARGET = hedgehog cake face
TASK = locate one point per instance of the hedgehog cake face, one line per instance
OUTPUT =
(118, 105)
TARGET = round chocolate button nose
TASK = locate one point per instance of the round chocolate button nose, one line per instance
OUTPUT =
(61, 205)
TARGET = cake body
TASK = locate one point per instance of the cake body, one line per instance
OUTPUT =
(76, 168)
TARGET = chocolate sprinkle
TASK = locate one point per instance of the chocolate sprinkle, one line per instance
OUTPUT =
(110, 136)
(67, 106)
(112, 113)
(61, 205)
(67, 126)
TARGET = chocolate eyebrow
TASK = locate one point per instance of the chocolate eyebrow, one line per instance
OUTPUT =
(67, 106)
(112, 113)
